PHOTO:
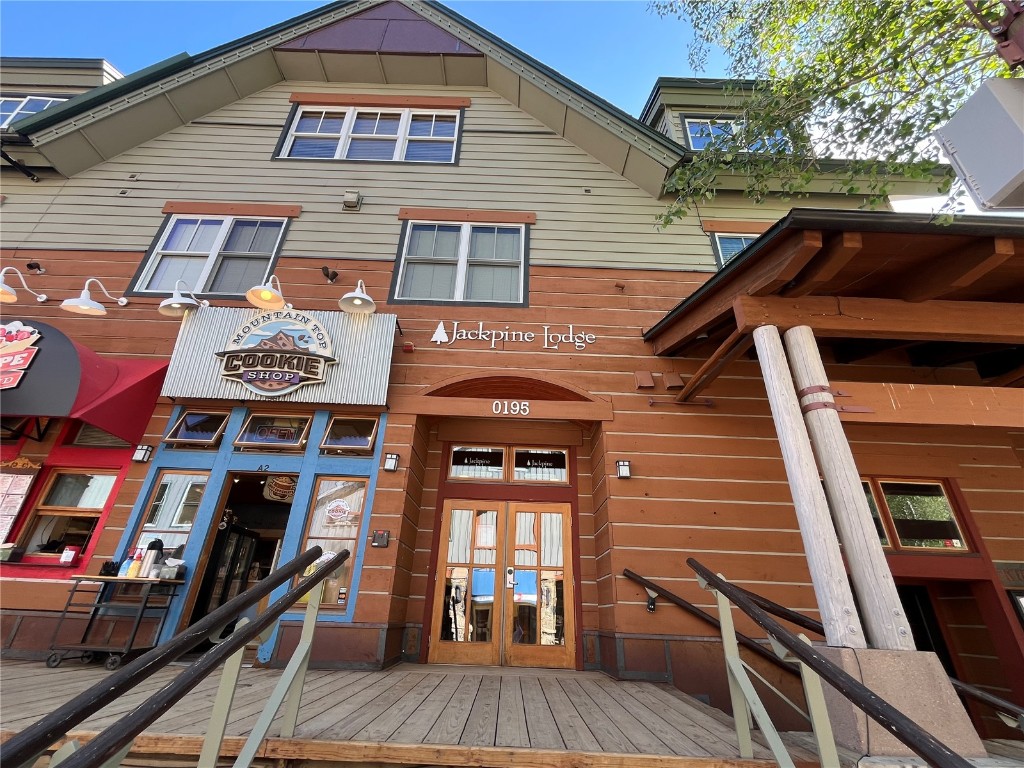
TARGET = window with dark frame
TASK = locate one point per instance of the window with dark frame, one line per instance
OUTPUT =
(200, 429)
(462, 262)
(280, 432)
(346, 434)
(220, 255)
(364, 133)
(914, 515)
(507, 464)
(728, 247)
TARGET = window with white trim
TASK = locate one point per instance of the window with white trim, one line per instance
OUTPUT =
(212, 254)
(462, 262)
(700, 132)
(727, 247)
(355, 133)
(14, 109)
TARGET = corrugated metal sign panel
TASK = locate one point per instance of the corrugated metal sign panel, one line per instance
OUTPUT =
(361, 344)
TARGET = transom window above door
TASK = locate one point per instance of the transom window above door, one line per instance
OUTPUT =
(462, 262)
(223, 255)
(365, 133)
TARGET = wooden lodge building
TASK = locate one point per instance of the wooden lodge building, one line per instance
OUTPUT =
(823, 404)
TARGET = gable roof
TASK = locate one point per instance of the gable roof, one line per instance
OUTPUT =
(320, 45)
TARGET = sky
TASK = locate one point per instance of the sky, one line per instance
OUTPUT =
(615, 48)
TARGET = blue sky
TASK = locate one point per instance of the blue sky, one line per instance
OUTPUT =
(617, 49)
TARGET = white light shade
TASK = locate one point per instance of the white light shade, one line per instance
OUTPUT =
(8, 294)
(622, 469)
(357, 302)
(85, 305)
(177, 305)
(390, 462)
(266, 296)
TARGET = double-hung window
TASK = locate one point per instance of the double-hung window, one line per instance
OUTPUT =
(462, 262)
(356, 133)
(212, 254)
(14, 109)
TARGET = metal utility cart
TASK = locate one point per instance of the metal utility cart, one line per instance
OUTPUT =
(111, 597)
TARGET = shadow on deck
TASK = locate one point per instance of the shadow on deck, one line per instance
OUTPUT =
(422, 716)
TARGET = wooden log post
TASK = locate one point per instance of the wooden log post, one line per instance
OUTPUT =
(828, 575)
(881, 611)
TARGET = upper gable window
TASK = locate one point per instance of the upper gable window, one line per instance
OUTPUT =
(383, 134)
(14, 109)
(462, 262)
(212, 254)
(701, 132)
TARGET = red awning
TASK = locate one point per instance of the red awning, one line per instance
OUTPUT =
(117, 394)
(64, 379)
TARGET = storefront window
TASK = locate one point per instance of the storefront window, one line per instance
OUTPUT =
(348, 435)
(540, 465)
(333, 526)
(477, 463)
(172, 510)
(914, 515)
(273, 432)
(197, 428)
(66, 517)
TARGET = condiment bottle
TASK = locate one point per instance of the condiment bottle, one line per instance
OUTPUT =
(136, 566)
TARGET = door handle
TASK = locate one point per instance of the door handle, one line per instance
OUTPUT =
(510, 578)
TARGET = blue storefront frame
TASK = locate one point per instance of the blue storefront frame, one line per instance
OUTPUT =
(219, 464)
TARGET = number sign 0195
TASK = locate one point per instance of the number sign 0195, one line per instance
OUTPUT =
(511, 407)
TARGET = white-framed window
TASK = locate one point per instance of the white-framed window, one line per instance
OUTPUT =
(701, 132)
(13, 109)
(212, 254)
(462, 262)
(363, 133)
(727, 247)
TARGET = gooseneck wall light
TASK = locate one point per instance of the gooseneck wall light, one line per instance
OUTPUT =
(266, 296)
(357, 302)
(177, 305)
(85, 305)
(8, 294)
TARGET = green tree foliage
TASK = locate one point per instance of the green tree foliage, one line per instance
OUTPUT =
(865, 82)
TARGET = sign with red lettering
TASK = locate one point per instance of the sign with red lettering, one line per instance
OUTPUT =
(17, 350)
(277, 352)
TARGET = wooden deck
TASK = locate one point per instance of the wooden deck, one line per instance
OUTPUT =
(423, 716)
(419, 715)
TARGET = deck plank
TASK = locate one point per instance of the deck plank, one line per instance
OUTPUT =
(483, 718)
(357, 718)
(511, 730)
(451, 723)
(539, 721)
(601, 725)
(391, 719)
(573, 729)
(415, 729)
(344, 702)
(664, 730)
(632, 728)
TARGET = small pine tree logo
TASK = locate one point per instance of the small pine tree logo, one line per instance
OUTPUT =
(440, 335)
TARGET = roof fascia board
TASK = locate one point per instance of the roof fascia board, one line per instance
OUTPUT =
(605, 114)
(77, 113)
(847, 221)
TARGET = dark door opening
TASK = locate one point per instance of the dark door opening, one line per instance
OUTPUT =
(924, 623)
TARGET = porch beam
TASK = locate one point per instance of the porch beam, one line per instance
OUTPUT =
(840, 316)
(932, 404)
(832, 590)
(835, 255)
(734, 346)
(958, 269)
(764, 277)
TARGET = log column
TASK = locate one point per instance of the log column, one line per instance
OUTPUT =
(828, 575)
(881, 610)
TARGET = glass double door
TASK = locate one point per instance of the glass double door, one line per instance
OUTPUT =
(503, 594)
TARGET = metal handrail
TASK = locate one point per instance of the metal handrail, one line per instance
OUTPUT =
(25, 746)
(1007, 711)
(108, 742)
(885, 714)
(689, 607)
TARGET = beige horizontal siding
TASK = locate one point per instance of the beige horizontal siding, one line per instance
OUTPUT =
(587, 215)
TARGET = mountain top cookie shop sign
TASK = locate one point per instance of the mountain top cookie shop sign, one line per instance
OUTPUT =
(277, 352)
